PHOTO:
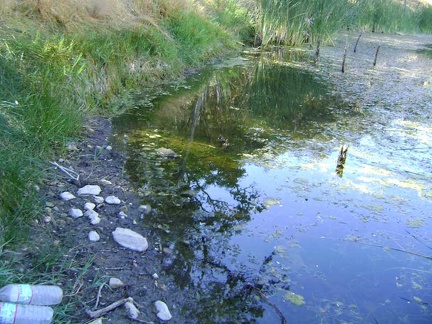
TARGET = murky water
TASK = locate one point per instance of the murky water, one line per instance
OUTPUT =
(261, 227)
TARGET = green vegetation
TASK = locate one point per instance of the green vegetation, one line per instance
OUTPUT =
(296, 21)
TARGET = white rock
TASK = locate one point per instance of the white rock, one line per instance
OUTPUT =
(47, 219)
(94, 236)
(65, 196)
(130, 239)
(112, 200)
(89, 206)
(133, 312)
(93, 216)
(108, 148)
(163, 311)
(89, 190)
(75, 212)
(155, 276)
(122, 215)
(96, 321)
(116, 283)
(145, 209)
(98, 200)
(105, 182)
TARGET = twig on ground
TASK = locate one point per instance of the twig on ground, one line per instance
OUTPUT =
(71, 173)
(103, 311)
(99, 294)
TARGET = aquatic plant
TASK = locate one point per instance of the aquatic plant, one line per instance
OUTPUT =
(294, 298)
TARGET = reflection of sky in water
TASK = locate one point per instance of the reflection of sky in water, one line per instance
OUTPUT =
(324, 229)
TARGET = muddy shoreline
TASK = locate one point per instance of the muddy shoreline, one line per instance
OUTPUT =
(97, 163)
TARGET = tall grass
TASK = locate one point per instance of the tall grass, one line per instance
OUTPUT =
(295, 22)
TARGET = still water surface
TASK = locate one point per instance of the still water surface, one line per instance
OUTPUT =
(263, 229)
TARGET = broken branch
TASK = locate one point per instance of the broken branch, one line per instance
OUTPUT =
(103, 311)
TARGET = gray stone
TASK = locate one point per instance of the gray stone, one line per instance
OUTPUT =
(89, 190)
(130, 239)
(98, 200)
(144, 209)
(94, 236)
(89, 206)
(93, 216)
(65, 196)
(116, 283)
(75, 212)
(112, 200)
(166, 153)
(122, 215)
(133, 312)
(163, 311)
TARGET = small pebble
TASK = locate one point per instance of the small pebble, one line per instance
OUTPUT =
(89, 190)
(116, 283)
(98, 200)
(65, 196)
(144, 209)
(112, 200)
(75, 213)
(89, 206)
(163, 311)
(94, 236)
(132, 310)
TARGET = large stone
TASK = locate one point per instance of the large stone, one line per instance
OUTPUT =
(163, 311)
(130, 239)
(89, 190)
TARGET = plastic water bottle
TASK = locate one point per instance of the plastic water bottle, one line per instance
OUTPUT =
(25, 314)
(31, 294)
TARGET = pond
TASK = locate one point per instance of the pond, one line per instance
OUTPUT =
(238, 163)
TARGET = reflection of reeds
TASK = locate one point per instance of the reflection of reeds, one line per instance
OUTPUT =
(340, 164)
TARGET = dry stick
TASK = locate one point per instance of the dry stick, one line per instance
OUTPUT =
(102, 311)
(317, 52)
(418, 240)
(400, 250)
(99, 294)
(358, 38)
(343, 60)
(71, 173)
(376, 55)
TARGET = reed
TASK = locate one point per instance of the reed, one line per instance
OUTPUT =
(295, 22)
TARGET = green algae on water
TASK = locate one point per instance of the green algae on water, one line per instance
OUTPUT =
(294, 298)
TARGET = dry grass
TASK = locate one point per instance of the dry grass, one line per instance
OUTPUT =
(72, 13)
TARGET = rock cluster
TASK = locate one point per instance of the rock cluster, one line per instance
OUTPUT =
(103, 219)
(87, 202)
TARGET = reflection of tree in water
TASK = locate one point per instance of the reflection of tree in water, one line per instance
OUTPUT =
(243, 105)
